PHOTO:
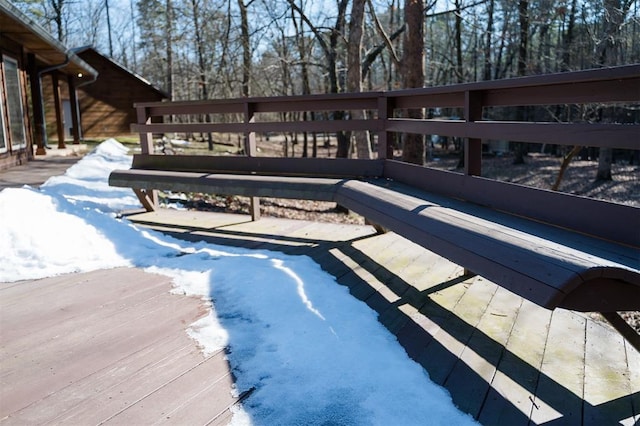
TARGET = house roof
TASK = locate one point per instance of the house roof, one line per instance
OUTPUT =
(17, 26)
(84, 50)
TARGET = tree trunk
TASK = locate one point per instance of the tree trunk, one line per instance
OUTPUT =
(458, 42)
(246, 48)
(169, 49)
(567, 39)
(306, 86)
(58, 5)
(202, 76)
(330, 51)
(487, 45)
(413, 73)
(523, 18)
(614, 16)
(354, 72)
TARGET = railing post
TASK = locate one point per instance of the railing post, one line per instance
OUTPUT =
(146, 139)
(251, 150)
(473, 146)
(385, 111)
(148, 197)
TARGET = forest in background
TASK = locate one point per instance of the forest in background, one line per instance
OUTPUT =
(207, 49)
(202, 49)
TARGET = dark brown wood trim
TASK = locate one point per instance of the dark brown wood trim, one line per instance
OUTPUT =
(320, 167)
(586, 215)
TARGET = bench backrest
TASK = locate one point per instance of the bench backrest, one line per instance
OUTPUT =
(247, 116)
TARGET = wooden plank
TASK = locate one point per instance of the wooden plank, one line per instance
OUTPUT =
(510, 398)
(453, 241)
(546, 271)
(262, 127)
(560, 390)
(483, 353)
(596, 135)
(314, 167)
(187, 220)
(321, 189)
(105, 341)
(606, 377)
(57, 310)
(92, 396)
(198, 401)
(397, 255)
(90, 347)
(455, 330)
(633, 362)
(543, 205)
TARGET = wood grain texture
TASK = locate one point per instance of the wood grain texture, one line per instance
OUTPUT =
(105, 346)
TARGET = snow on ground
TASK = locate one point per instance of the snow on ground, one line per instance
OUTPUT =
(311, 353)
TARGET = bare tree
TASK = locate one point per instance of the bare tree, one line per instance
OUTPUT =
(354, 72)
(523, 45)
(246, 46)
(413, 73)
(614, 16)
(330, 50)
(487, 46)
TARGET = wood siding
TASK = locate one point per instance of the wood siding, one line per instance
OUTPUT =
(106, 106)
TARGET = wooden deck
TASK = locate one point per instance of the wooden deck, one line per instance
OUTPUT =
(503, 359)
(106, 347)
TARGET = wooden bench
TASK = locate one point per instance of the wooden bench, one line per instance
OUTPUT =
(539, 249)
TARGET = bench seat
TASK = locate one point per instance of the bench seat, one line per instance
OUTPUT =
(548, 265)
(249, 185)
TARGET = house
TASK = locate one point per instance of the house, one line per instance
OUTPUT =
(27, 54)
(106, 105)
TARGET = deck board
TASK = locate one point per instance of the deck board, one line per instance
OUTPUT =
(502, 358)
(101, 346)
(560, 390)
(606, 377)
(510, 398)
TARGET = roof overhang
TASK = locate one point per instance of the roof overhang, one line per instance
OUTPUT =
(49, 52)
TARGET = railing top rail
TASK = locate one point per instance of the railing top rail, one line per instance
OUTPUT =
(324, 101)
(267, 99)
(571, 77)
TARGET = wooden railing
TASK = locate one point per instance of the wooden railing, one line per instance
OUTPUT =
(606, 86)
(600, 87)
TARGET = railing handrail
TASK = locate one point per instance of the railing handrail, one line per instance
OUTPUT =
(619, 74)
(604, 85)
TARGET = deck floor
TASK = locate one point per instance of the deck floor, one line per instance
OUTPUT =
(106, 347)
(503, 359)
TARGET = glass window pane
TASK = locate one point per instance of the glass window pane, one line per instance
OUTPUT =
(3, 138)
(14, 103)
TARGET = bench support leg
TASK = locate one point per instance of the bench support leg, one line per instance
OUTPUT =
(379, 228)
(148, 198)
(623, 328)
(255, 208)
(468, 273)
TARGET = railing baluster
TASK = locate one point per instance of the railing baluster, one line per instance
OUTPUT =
(385, 111)
(146, 139)
(473, 146)
(251, 150)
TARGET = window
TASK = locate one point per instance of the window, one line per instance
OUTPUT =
(15, 111)
(3, 137)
